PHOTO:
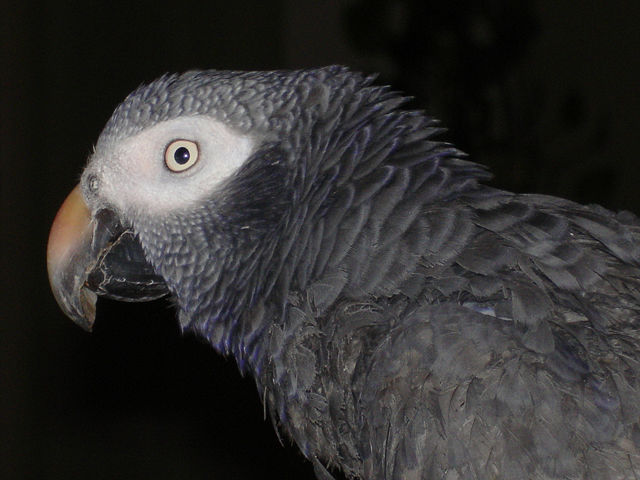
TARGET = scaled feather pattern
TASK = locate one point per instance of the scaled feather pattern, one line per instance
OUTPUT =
(401, 319)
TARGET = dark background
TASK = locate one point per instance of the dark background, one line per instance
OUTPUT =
(545, 93)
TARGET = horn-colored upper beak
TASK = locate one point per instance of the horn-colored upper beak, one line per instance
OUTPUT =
(68, 255)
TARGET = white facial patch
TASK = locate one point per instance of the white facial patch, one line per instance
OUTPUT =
(135, 178)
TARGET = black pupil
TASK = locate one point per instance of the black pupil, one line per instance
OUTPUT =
(181, 155)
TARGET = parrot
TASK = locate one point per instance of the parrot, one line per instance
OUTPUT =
(401, 317)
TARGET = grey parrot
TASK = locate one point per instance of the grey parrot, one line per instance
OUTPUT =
(401, 319)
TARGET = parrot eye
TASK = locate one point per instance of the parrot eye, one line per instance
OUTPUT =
(181, 155)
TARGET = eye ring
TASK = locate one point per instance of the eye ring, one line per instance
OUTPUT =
(181, 155)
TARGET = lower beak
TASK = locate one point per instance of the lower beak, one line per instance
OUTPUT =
(95, 255)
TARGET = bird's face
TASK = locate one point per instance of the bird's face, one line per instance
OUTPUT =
(138, 184)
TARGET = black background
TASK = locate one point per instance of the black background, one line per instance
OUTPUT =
(545, 93)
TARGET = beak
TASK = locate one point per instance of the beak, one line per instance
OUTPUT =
(96, 255)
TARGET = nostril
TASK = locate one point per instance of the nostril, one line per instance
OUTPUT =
(93, 183)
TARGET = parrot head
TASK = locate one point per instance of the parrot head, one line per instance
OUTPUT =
(187, 183)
